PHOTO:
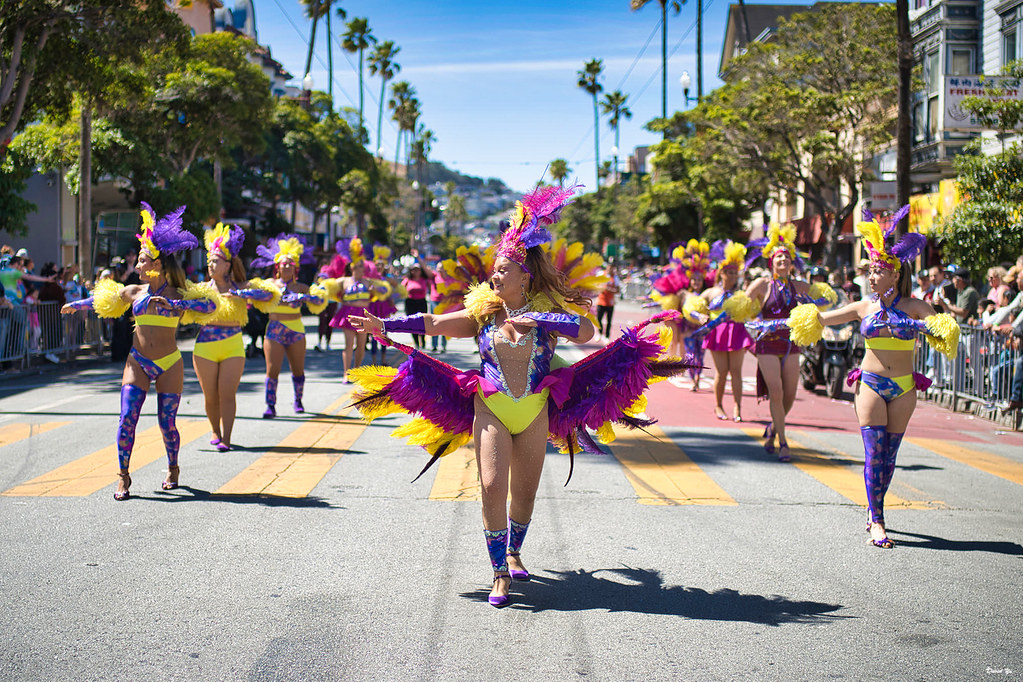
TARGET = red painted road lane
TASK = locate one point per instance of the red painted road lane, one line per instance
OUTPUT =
(680, 407)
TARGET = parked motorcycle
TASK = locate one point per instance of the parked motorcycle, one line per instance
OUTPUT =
(828, 362)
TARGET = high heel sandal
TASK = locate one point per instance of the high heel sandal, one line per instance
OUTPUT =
(516, 574)
(885, 542)
(501, 599)
(736, 415)
(172, 472)
(215, 441)
(719, 412)
(122, 495)
(783, 452)
(769, 435)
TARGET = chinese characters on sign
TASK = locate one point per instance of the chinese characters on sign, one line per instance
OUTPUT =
(958, 88)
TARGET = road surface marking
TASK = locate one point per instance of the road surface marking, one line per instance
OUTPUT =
(978, 459)
(457, 478)
(662, 474)
(844, 479)
(12, 433)
(94, 472)
(299, 462)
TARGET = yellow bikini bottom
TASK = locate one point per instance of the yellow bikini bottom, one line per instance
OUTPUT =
(516, 415)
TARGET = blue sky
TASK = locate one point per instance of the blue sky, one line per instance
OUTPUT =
(497, 80)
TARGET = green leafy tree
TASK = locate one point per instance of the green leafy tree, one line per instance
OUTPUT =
(356, 40)
(381, 63)
(589, 80)
(808, 118)
(559, 170)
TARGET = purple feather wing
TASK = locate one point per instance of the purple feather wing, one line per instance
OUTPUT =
(428, 388)
(607, 382)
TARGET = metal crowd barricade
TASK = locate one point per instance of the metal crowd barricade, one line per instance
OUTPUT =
(979, 378)
(38, 332)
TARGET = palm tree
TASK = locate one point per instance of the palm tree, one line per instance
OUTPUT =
(588, 81)
(356, 39)
(614, 104)
(342, 14)
(381, 62)
(677, 6)
(402, 95)
(314, 9)
(559, 171)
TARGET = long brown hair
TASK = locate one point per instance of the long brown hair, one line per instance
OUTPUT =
(905, 284)
(237, 270)
(172, 271)
(548, 279)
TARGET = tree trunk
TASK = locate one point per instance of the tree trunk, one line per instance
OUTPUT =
(330, 62)
(85, 196)
(699, 50)
(903, 133)
(596, 141)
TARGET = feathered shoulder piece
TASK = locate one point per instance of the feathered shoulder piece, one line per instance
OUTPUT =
(195, 292)
(106, 299)
(527, 226)
(283, 247)
(270, 287)
(165, 235)
(873, 237)
(225, 240)
(481, 302)
(943, 334)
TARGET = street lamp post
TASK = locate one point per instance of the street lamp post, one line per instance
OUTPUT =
(686, 81)
(307, 89)
(416, 236)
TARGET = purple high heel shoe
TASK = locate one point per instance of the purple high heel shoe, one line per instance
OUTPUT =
(215, 441)
(500, 600)
(269, 412)
(299, 409)
(517, 574)
(769, 435)
(222, 446)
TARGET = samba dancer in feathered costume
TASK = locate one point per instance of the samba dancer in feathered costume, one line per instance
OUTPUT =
(285, 333)
(518, 399)
(695, 263)
(384, 305)
(219, 354)
(886, 385)
(776, 295)
(354, 292)
(728, 340)
(154, 357)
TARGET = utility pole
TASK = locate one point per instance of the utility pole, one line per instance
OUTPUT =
(903, 139)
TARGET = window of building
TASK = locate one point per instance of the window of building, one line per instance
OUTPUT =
(960, 62)
(919, 129)
(932, 118)
(932, 72)
(1008, 47)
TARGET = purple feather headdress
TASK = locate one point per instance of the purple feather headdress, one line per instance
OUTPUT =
(528, 224)
(226, 240)
(777, 237)
(283, 246)
(873, 236)
(164, 235)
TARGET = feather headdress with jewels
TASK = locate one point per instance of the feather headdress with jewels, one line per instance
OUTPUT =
(873, 236)
(728, 254)
(381, 252)
(224, 240)
(351, 249)
(778, 237)
(164, 235)
(529, 220)
(282, 247)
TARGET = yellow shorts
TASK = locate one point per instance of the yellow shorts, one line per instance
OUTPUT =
(218, 351)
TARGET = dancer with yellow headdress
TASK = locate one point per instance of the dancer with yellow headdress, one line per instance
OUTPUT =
(886, 385)
(158, 306)
(219, 353)
(519, 399)
(285, 333)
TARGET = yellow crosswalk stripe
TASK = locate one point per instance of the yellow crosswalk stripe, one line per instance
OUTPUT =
(845, 480)
(662, 474)
(457, 478)
(978, 459)
(96, 471)
(299, 462)
(12, 433)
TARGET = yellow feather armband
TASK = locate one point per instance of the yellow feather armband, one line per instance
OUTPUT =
(695, 304)
(822, 290)
(805, 325)
(106, 299)
(195, 292)
(321, 293)
(480, 302)
(943, 334)
(266, 285)
(666, 301)
(740, 308)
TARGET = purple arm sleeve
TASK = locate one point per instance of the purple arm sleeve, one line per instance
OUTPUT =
(254, 294)
(83, 304)
(295, 299)
(196, 305)
(761, 328)
(413, 324)
(563, 324)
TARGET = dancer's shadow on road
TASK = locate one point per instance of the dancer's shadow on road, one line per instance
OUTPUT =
(187, 493)
(639, 590)
(934, 542)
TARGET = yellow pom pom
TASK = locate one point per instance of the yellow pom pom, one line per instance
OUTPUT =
(321, 292)
(266, 285)
(740, 308)
(819, 290)
(805, 323)
(194, 292)
(606, 433)
(479, 300)
(695, 304)
(943, 334)
(106, 299)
